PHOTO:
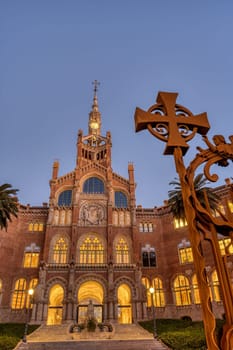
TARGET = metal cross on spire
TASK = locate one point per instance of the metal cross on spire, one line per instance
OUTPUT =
(96, 84)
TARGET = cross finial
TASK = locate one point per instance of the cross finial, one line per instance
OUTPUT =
(96, 84)
(170, 122)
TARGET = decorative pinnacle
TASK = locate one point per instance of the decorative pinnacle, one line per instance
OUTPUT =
(95, 101)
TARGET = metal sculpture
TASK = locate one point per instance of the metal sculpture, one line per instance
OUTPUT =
(176, 125)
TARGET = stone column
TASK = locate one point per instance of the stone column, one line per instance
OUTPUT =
(144, 311)
(105, 311)
(45, 312)
(110, 310)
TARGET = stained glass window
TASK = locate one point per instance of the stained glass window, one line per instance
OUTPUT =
(19, 295)
(182, 291)
(122, 252)
(158, 294)
(60, 251)
(91, 251)
(64, 198)
(120, 200)
(93, 185)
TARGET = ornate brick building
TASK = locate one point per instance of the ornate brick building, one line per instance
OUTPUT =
(92, 243)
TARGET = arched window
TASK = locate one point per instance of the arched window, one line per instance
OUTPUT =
(158, 294)
(146, 283)
(32, 285)
(93, 185)
(122, 251)
(91, 251)
(19, 294)
(60, 251)
(215, 286)
(55, 307)
(120, 200)
(65, 198)
(182, 291)
(196, 294)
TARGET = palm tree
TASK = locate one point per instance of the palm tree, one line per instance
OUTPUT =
(8, 204)
(200, 185)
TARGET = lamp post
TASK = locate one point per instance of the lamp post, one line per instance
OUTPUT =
(30, 294)
(152, 291)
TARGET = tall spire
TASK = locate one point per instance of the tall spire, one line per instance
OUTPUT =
(95, 116)
(96, 83)
(95, 100)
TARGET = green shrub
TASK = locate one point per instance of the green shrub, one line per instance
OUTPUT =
(15, 329)
(91, 325)
(8, 342)
(179, 334)
(12, 333)
(184, 340)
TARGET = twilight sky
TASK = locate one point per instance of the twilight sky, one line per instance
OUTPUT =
(52, 50)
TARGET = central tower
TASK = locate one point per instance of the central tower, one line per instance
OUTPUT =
(91, 243)
(94, 148)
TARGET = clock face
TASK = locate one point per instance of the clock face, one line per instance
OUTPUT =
(94, 125)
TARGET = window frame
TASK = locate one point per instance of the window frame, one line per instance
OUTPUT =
(93, 185)
(65, 198)
(120, 200)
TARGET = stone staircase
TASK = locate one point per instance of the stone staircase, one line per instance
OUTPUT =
(125, 337)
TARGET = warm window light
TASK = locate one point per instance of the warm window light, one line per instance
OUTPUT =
(151, 290)
(31, 291)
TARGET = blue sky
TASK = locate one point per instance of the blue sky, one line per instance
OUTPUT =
(51, 51)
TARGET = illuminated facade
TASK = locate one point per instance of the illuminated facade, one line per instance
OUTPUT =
(91, 242)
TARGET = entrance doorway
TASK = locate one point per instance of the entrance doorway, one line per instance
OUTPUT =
(90, 291)
(55, 309)
(124, 304)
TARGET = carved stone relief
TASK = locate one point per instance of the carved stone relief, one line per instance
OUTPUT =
(92, 214)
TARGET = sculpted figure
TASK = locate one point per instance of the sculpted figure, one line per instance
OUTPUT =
(90, 310)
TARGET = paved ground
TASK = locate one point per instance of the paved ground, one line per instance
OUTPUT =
(124, 337)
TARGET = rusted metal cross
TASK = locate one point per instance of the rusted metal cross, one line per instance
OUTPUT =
(170, 122)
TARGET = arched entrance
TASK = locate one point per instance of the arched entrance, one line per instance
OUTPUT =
(124, 304)
(90, 291)
(56, 296)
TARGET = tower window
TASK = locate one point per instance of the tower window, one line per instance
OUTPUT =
(120, 200)
(65, 198)
(93, 185)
